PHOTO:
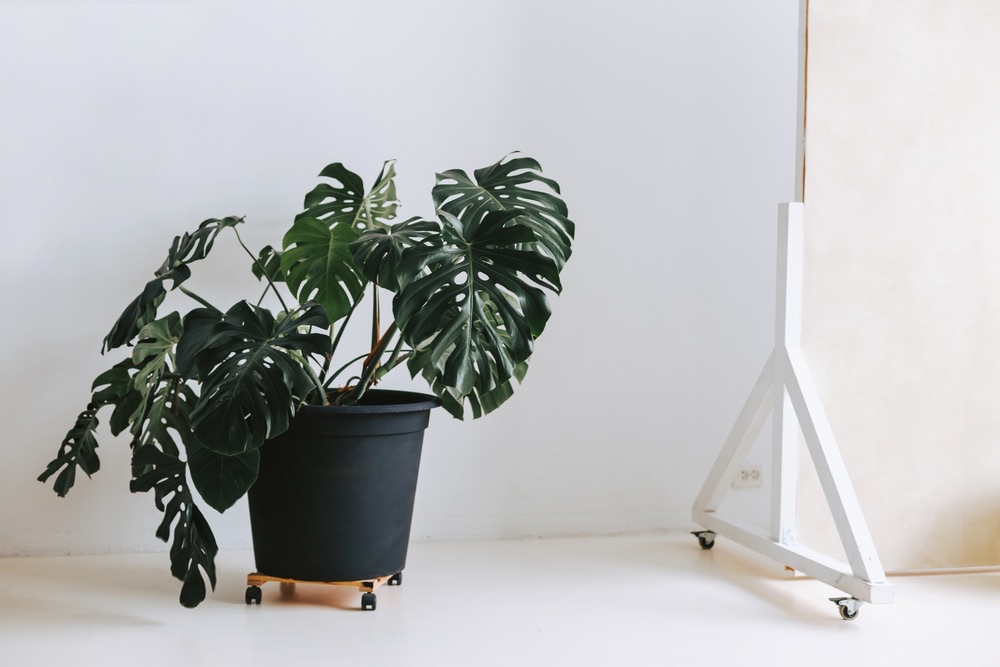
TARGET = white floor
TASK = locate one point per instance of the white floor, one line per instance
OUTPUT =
(651, 600)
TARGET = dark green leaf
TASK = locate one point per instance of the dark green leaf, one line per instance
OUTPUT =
(184, 250)
(115, 387)
(474, 312)
(137, 314)
(512, 184)
(344, 201)
(268, 265)
(156, 341)
(169, 412)
(151, 357)
(378, 251)
(253, 381)
(78, 450)
(221, 480)
(192, 247)
(316, 260)
(198, 326)
(193, 547)
(318, 265)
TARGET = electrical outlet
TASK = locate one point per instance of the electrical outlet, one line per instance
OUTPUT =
(748, 476)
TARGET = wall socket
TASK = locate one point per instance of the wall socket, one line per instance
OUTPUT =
(748, 476)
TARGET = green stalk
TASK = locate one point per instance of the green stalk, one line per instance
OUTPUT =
(197, 298)
(371, 365)
(343, 368)
(316, 381)
(257, 263)
(335, 345)
(394, 360)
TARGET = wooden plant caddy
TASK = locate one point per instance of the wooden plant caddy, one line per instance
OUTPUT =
(367, 587)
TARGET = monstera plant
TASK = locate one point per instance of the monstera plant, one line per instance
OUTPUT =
(202, 391)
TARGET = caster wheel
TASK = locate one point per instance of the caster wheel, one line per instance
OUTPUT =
(396, 579)
(849, 608)
(706, 539)
(253, 594)
(849, 615)
(368, 602)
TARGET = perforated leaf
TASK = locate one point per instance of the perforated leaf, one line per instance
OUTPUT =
(192, 545)
(512, 184)
(253, 382)
(478, 304)
(378, 252)
(183, 251)
(316, 257)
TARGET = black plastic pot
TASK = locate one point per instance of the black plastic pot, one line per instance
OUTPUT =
(334, 497)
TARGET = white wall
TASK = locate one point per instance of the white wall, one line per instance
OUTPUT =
(669, 124)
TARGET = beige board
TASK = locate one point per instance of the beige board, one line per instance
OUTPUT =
(901, 314)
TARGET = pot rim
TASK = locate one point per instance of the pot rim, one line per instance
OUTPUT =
(383, 401)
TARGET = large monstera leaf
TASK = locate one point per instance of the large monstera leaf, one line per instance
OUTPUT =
(472, 314)
(316, 258)
(254, 375)
(512, 184)
(183, 251)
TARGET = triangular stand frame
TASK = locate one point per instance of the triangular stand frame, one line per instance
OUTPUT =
(785, 389)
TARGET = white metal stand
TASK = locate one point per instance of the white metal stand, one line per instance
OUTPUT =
(785, 389)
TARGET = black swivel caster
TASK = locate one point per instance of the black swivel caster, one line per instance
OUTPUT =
(368, 602)
(396, 579)
(253, 594)
(706, 538)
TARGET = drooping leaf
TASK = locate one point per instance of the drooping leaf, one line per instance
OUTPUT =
(169, 413)
(115, 387)
(156, 341)
(253, 380)
(512, 184)
(221, 480)
(494, 398)
(183, 251)
(151, 358)
(136, 315)
(78, 450)
(193, 547)
(379, 250)
(473, 313)
(192, 247)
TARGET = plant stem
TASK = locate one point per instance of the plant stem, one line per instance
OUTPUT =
(316, 381)
(262, 271)
(343, 368)
(376, 325)
(185, 290)
(369, 368)
(335, 345)
(393, 361)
